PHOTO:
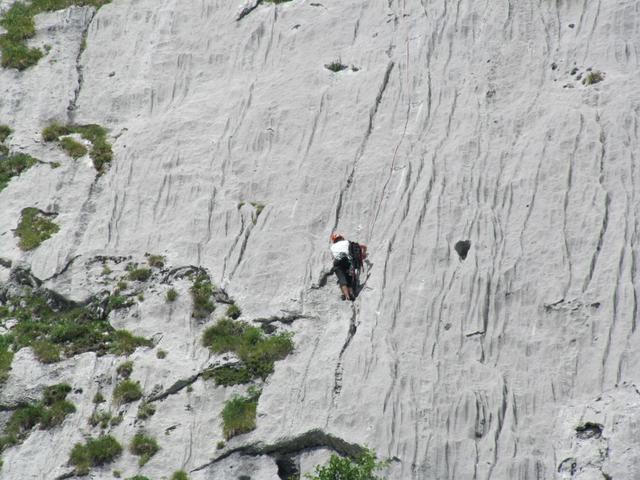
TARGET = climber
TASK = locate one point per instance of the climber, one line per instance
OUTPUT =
(347, 263)
(342, 265)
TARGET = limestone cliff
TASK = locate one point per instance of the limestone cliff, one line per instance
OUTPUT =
(236, 151)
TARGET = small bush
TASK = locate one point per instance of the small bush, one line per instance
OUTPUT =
(34, 228)
(362, 468)
(179, 475)
(122, 285)
(228, 375)
(336, 66)
(220, 445)
(138, 477)
(5, 131)
(125, 369)
(74, 149)
(201, 292)
(155, 261)
(117, 302)
(55, 393)
(257, 351)
(53, 131)
(143, 447)
(98, 398)
(117, 420)
(161, 354)
(106, 271)
(101, 418)
(127, 391)
(94, 452)
(13, 166)
(233, 311)
(146, 410)
(239, 414)
(172, 295)
(139, 274)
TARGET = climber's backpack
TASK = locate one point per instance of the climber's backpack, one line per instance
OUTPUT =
(358, 253)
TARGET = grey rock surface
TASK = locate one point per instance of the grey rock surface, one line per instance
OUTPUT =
(458, 121)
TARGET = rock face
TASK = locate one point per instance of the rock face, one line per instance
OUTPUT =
(508, 131)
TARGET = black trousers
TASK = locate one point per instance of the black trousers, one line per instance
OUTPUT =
(342, 268)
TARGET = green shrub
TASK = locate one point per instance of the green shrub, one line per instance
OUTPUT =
(161, 354)
(233, 311)
(179, 475)
(94, 452)
(172, 295)
(117, 420)
(146, 410)
(220, 445)
(98, 398)
(228, 375)
(336, 66)
(34, 228)
(13, 166)
(138, 477)
(201, 292)
(74, 149)
(5, 131)
(55, 393)
(139, 274)
(340, 468)
(239, 414)
(125, 369)
(156, 261)
(257, 351)
(122, 285)
(144, 447)
(127, 391)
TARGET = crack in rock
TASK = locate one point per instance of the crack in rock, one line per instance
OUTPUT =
(311, 440)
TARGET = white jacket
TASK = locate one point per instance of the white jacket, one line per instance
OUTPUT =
(340, 249)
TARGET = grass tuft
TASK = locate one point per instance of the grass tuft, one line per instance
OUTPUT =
(94, 453)
(144, 447)
(336, 66)
(34, 228)
(127, 391)
(5, 131)
(201, 292)
(125, 369)
(14, 165)
(73, 148)
(172, 295)
(239, 414)
(179, 475)
(155, 261)
(593, 77)
(233, 311)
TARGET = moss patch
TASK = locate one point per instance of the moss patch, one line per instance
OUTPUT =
(239, 414)
(20, 26)
(34, 228)
(94, 452)
(101, 152)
